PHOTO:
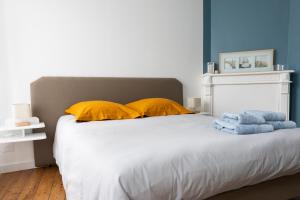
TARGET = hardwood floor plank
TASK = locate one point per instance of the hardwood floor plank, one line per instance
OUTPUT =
(32, 184)
(2, 182)
(35, 184)
(45, 185)
(8, 180)
(57, 192)
(13, 192)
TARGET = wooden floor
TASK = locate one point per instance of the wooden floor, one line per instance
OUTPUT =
(45, 183)
(35, 184)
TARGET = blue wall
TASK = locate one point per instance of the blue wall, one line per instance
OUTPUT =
(294, 57)
(206, 32)
(237, 25)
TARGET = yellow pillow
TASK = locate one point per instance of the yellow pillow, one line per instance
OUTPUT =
(158, 107)
(100, 110)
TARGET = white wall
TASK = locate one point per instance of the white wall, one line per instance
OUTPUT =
(4, 91)
(126, 38)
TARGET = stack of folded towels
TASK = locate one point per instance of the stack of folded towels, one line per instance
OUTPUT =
(252, 121)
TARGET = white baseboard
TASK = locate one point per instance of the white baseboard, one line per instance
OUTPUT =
(12, 167)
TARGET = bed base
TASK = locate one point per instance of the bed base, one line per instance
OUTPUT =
(283, 188)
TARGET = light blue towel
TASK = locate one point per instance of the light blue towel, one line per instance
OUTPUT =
(243, 118)
(268, 115)
(282, 124)
(242, 129)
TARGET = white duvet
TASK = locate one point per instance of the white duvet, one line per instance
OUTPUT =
(161, 158)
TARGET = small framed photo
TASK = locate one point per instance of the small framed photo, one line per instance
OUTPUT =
(246, 61)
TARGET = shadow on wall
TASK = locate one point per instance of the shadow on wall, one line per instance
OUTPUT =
(295, 94)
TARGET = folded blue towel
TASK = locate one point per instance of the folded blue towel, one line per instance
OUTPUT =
(243, 118)
(242, 129)
(268, 115)
(282, 124)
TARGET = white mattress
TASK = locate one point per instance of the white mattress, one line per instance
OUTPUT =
(161, 158)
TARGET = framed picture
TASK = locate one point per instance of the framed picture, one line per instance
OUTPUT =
(246, 61)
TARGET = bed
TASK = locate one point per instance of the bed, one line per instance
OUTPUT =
(174, 157)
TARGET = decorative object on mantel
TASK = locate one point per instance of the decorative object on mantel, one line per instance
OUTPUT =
(194, 104)
(246, 61)
(280, 67)
(210, 67)
(268, 91)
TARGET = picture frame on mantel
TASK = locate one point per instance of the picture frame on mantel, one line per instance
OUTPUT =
(246, 61)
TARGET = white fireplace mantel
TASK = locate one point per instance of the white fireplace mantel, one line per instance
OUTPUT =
(244, 91)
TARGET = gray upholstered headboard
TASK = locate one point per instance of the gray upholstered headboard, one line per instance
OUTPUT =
(50, 96)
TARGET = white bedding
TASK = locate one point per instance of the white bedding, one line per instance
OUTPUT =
(161, 158)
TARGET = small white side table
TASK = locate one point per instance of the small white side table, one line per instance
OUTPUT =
(24, 133)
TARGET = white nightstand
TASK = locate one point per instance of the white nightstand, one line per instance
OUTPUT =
(21, 134)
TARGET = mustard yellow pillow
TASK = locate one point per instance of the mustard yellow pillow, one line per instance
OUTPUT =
(100, 110)
(158, 107)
